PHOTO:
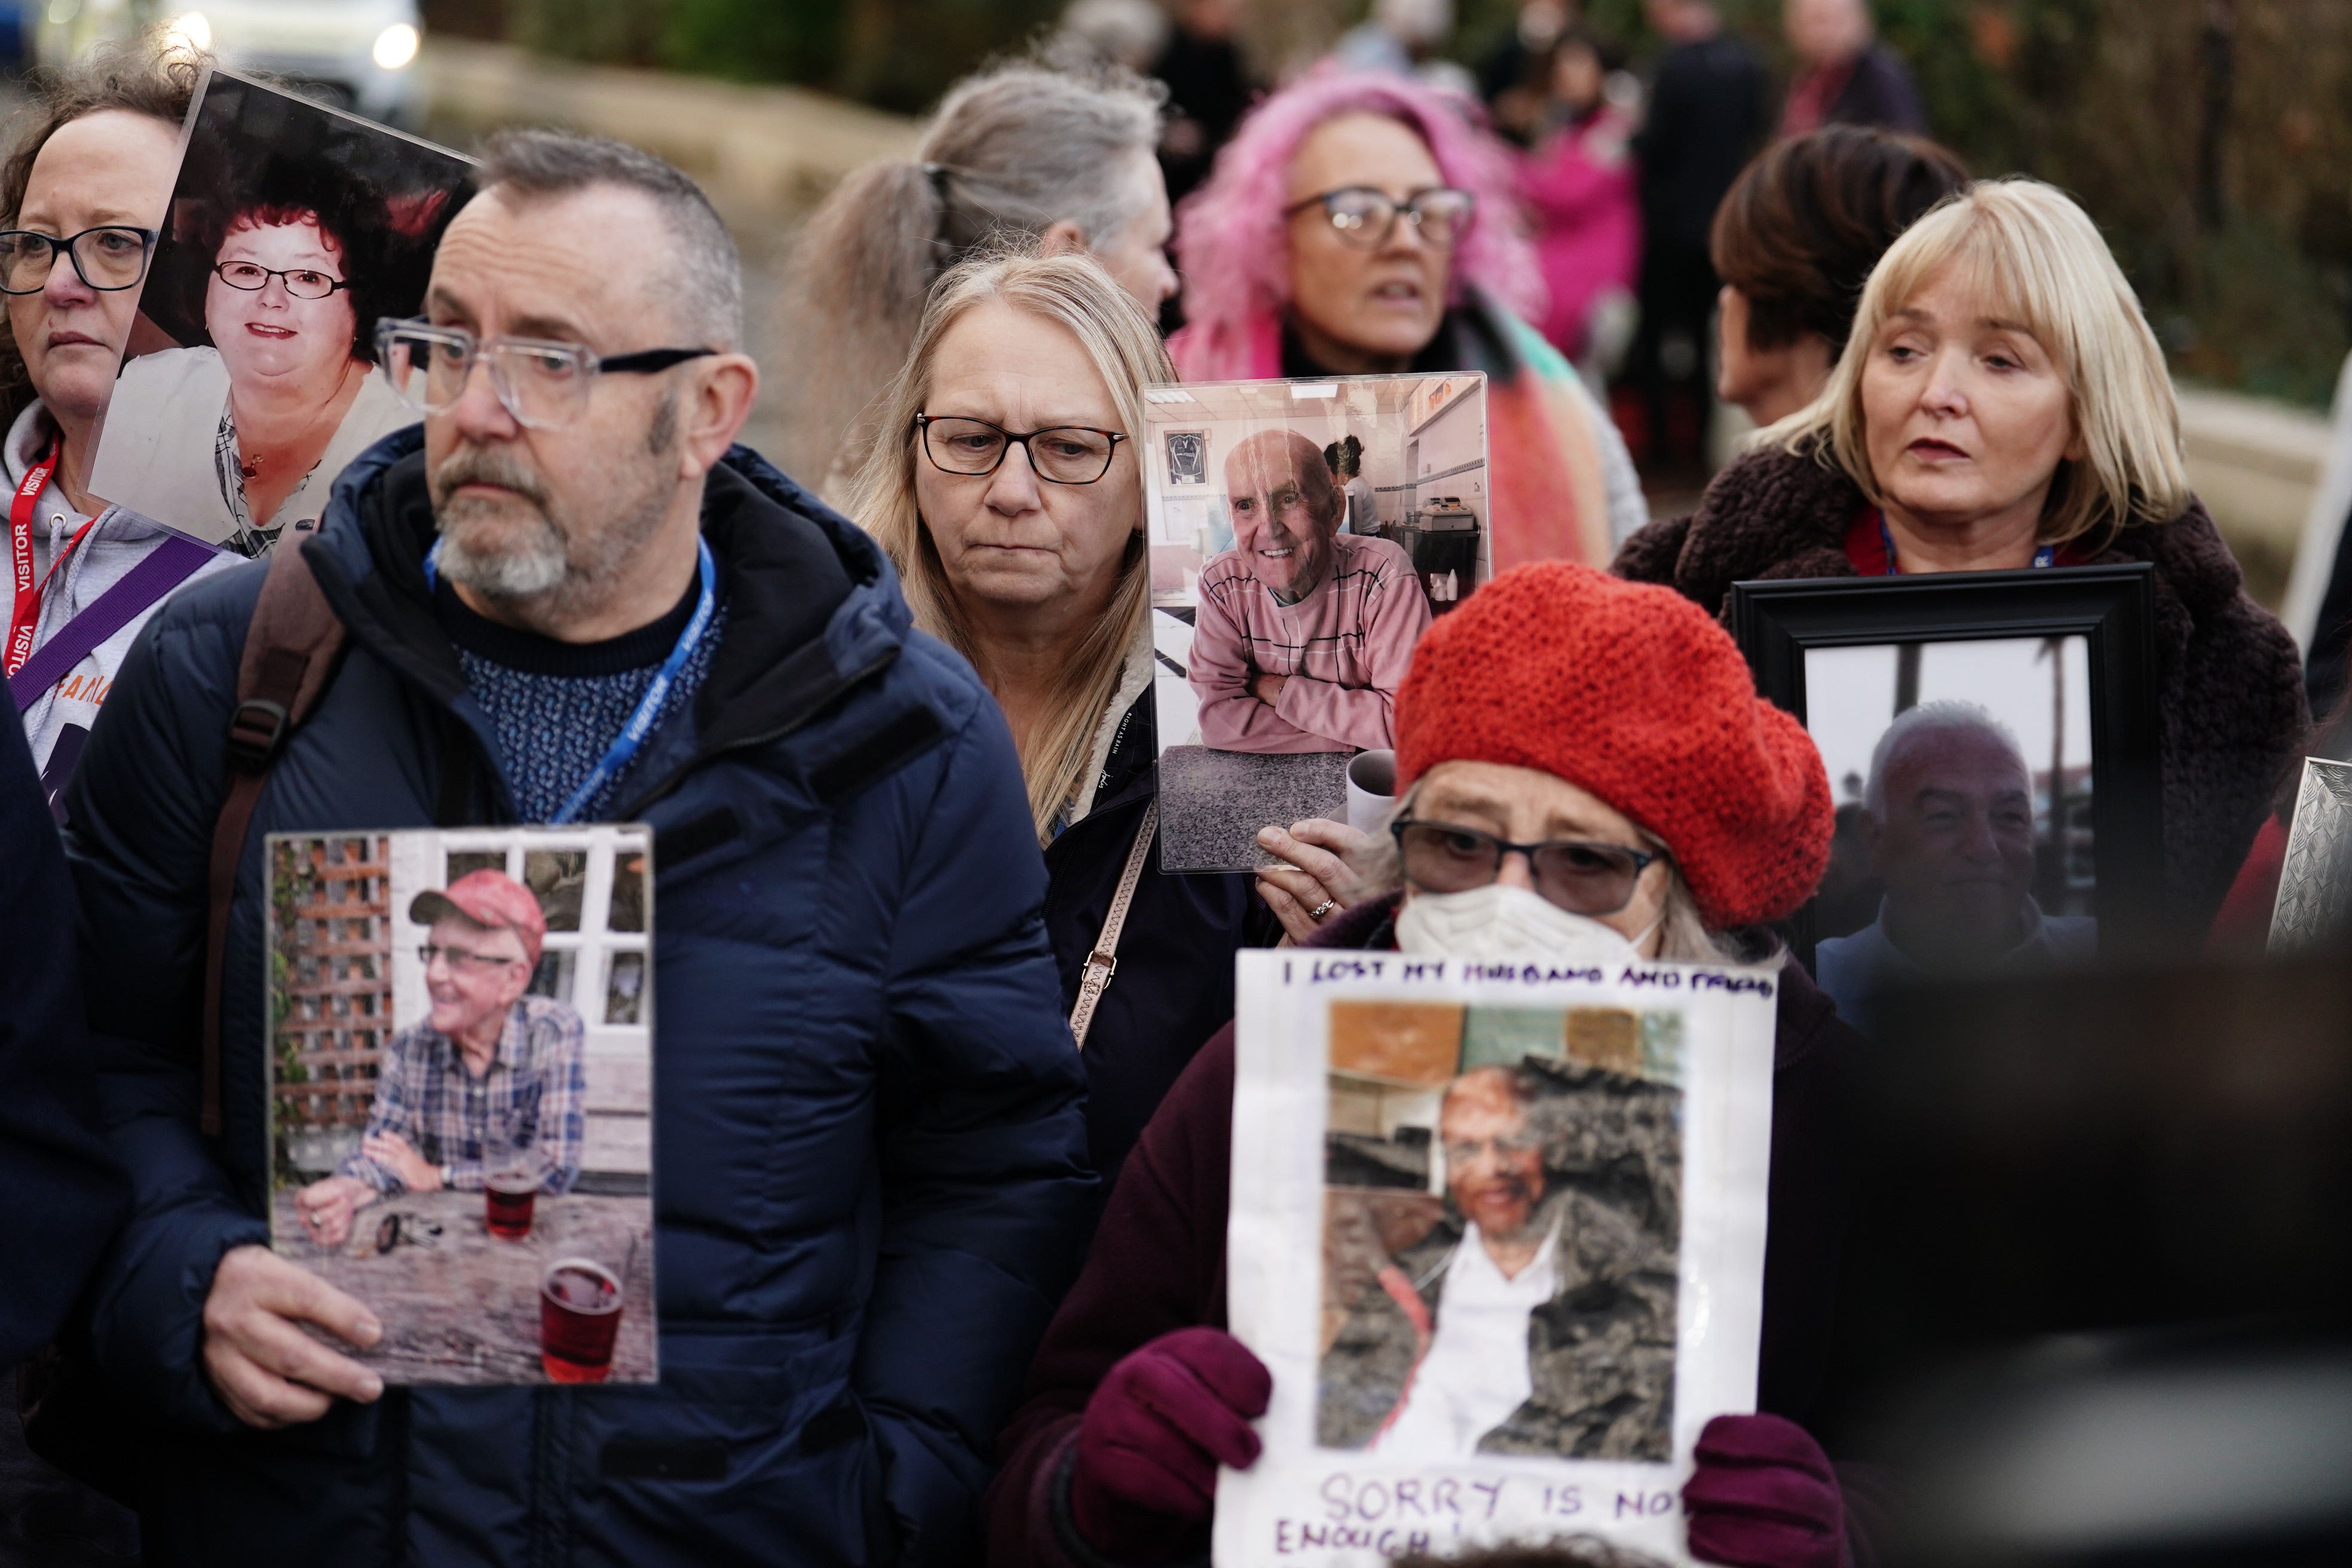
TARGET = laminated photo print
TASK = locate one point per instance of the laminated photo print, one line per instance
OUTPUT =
(1498, 1234)
(252, 381)
(460, 1094)
(2314, 909)
(1304, 534)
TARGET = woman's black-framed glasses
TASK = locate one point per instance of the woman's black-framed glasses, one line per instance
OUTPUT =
(301, 282)
(545, 385)
(1060, 454)
(1578, 875)
(1362, 216)
(110, 257)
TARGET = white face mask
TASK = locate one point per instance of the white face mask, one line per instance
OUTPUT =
(1499, 921)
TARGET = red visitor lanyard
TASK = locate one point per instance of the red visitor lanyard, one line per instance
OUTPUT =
(27, 619)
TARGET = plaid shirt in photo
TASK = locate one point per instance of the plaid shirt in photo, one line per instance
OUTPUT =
(530, 1105)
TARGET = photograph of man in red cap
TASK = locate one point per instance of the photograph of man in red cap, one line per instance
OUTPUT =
(492, 1081)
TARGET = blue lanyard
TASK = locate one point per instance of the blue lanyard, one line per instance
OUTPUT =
(2045, 556)
(625, 745)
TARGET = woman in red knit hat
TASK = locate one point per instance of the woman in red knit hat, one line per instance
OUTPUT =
(1584, 768)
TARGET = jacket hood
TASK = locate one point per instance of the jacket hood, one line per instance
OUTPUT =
(813, 606)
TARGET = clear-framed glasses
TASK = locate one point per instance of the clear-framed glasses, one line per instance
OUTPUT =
(302, 282)
(544, 385)
(1061, 454)
(463, 959)
(1365, 216)
(1584, 878)
(1505, 1149)
(107, 257)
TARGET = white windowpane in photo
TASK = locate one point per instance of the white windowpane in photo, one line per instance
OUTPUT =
(552, 978)
(628, 907)
(466, 862)
(624, 988)
(558, 877)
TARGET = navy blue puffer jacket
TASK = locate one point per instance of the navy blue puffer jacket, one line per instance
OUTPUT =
(869, 1168)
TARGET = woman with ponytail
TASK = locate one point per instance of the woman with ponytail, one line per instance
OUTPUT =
(1062, 160)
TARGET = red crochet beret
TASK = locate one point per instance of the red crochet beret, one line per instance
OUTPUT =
(1634, 693)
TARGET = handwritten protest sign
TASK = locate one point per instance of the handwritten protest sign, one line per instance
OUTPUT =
(1498, 1233)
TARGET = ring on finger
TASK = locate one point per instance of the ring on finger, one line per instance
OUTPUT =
(1325, 908)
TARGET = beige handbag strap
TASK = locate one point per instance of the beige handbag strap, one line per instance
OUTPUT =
(1103, 962)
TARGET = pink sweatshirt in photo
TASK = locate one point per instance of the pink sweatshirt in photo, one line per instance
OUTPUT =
(1343, 650)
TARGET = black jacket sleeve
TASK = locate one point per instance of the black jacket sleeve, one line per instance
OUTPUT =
(64, 1192)
(139, 837)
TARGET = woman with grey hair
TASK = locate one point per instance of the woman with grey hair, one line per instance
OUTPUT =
(1064, 160)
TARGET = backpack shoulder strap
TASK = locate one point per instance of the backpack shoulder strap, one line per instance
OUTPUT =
(289, 654)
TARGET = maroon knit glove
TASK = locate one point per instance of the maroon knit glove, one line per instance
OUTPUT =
(1154, 1433)
(1763, 1497)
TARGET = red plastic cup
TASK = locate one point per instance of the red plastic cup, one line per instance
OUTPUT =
(578, 1317)
(507, 1198)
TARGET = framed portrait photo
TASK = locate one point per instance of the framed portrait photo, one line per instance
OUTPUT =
(1992, 743)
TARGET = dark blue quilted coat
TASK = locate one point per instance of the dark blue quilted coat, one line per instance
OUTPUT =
(870, 1154)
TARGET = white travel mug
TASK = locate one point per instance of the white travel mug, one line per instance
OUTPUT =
(1372, 790)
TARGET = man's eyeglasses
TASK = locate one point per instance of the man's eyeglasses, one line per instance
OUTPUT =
(1364, 216)
(1460, 1152)
(301, 282)
(1581, 878)
(1061, 454)
(464, 959)
(105, 259)
(545, 385)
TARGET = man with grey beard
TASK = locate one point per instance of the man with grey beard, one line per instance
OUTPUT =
(569, 597)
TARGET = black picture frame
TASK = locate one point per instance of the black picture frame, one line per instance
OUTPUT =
(2112, 607)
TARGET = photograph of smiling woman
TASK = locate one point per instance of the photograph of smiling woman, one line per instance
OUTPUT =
(293, 230)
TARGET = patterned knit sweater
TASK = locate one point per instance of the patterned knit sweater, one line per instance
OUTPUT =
(556, 707)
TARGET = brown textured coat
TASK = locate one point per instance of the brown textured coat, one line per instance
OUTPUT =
(2230, 685)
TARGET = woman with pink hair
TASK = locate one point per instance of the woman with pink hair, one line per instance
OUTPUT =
(1363, 225)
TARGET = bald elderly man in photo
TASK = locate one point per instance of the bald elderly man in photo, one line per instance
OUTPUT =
(1948, 815)
(1303, 632)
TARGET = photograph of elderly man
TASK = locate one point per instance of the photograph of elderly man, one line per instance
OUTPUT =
(1304, 631)
(1949, 821)
(1536, 1315)
(491, 1083)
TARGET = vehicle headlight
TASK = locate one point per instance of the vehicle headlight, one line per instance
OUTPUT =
(395, 46)
(188, 30)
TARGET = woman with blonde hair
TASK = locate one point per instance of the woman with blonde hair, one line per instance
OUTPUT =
(1030, 152)
(2000, 403)
(1010, 494)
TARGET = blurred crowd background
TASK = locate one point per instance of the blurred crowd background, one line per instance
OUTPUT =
(2211, 138)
